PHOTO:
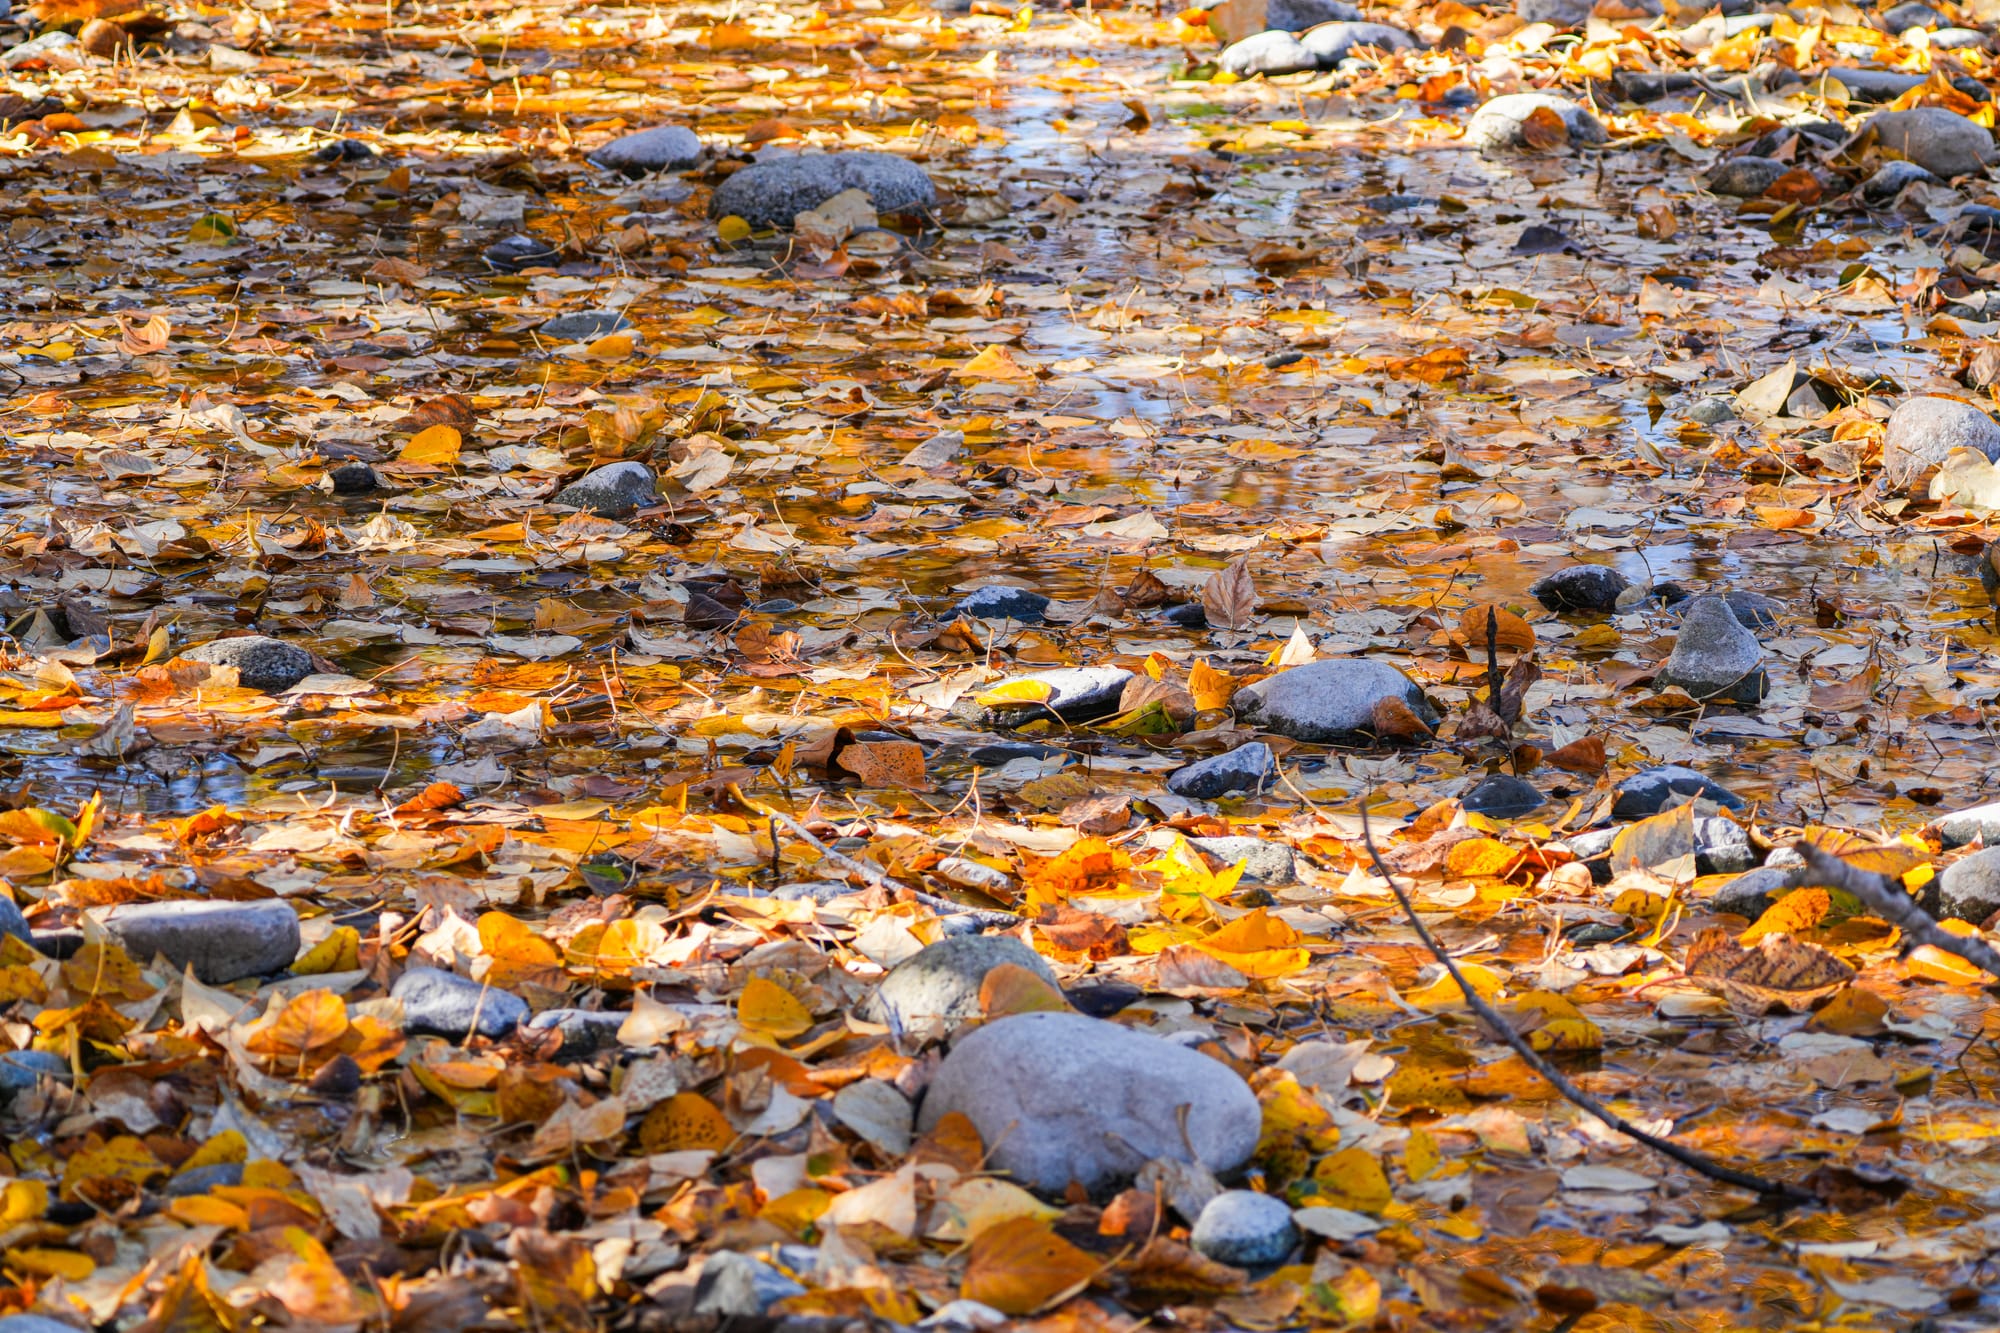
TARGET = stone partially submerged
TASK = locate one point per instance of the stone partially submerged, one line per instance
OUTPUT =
(1924, 430)
(1506, 122)
(1331, 702)
(775, 190)
(1324, 47)
(1715, 659)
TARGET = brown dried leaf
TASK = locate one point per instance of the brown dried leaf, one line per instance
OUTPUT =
(1229, 598)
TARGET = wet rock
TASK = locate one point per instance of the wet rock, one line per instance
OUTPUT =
(1746, 177)
(1059, 1097)
(24, 1071)
(582, 326)
(1715, 658)
(1753, 610)
(1264, 862)
(1874, 86)
(12, 922)
(1711, 411)
(1329, 702)
(1245, 1229)
(585, 1032)
(1804, 137)
(1722, 847)
(1188, 615)
(939, 984)
(998, 601)
(1957, 39)
(1580, 588)
(1320, 48)
(354, 479)
(345, 150)
(1969, 890)
(1006, 752)
(261, 663)
(1911, 15)
(776, 189)
(735, 1286)
(1561, 13)
(1924, 430)
(1976, 225)
(443, 1004)
(1247, 768)
(516, 254)
(1498, 125)
(1751, 893)
(1503, 796)
(1975, 823)
(1942, 142)
(203, 1179)
(221, 941)
(1076, 694)
(611, 491)
(1655, 789)
(663, 148)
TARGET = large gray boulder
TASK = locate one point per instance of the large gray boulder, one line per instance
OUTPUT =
(1715, 658)
(1499, 125)
(1324, 47)
(1942, 142)
(221, 941)
(1059, 1097)
(261, 662)
(664, 148)
(1924, 430)
(1330, 701)
(773, 191)
(611, 491)
(938, 986)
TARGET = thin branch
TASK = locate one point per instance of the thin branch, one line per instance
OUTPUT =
(875, 878)
(1885, 896)
(1777, 1190)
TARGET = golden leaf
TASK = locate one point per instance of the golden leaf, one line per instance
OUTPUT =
(436, 446)
(771, 1009)
(1020, 1266)
(309, 1021)
(684, 1121)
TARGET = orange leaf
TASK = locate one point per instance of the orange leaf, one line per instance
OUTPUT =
(1510, 631)
(685, 1121)
(1482, 858)
(1210, 688)
(771, 1009)
(1583, 755)
(1020, 1266)
(1772, 516)
(437, 796)
(436, 445)
(518, 953)
(995, 363)
(1545, 129)
(316, 1018)
(1013, 989)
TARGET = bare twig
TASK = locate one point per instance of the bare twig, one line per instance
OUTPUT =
(1776, 1190)
(877, 879)
(1886, 898)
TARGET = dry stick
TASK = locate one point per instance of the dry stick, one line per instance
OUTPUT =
(877, 879)
(1779, 1190)
(1886, 898)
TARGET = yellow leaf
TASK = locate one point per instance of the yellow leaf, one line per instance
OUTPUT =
(769, 1008)
(1021, 1265)
(1013, 989)
(1420, 1154)
(1210, 688)
(796, 1211)
(307, 1022)
(436, 445)
(23, 1201)
(1934, 964)
(611, 347)
(1799, 910)
(31, 721)
(977, 1204)
(1482, 858)
(1353, 1178)
(1017, 692)
(732, 229)
(228, 1146)
(518, 954)
(1258, 946)
(685, 1121)
(52, 1263)
(338, 952)
(995, 363)
(122, 1159)
(1445, 994)
(1560, 1025)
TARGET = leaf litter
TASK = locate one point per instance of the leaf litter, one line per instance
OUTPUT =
(539, 716)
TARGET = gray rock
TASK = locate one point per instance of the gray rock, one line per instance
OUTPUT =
(1245, 1229)
(1745, 177)
(354, 479)
(1911, 15)
(261, 662)
(1715, 658)
(1503, 796)
(1247, 768)
(1873, 86)
(776, 189)
(1942, 142)
(205, 1178)
(998, 601)
(664, 148)
(585, 1032)
(1264, 862)
(1562, 13)
(1752, 892)
(1580, 588)
(1652, 790)
(1077, 694)
(737, 1286)
(221, 941)
(1923, 430)
(34, 1323)
(1711, 411)
(24, 1071)
(12, 922)
(1058, 1097)
(1324, 47)
(1979, 822)
(1298, 15)
(611, 491)
(1722, 847)
(1969, 889)
(1957, 39)
(584, 325)
(939, 984)
(1330, 701)
(443, 1004)
(1497, 126)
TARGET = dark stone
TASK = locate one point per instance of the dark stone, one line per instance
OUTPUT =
(585, 1032)
(1652, 790)
(222, 941)
(1503, 796)
(1751, 893)
(261, 663)
(443, 1004)
(663, 148)
(1746, 177)
(203, 1179)
(1715, 658)
(1969, 889)
(1077, 694)
(1247, 768)
(345, 150)
(1580, 588)
(939, 984)
(515, 254)
(779, 187)
(1245, 1229)
(998, 601)
(1329, 701)
(580, 326)
(1188, 615)
(354, 479)
(611, 491)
